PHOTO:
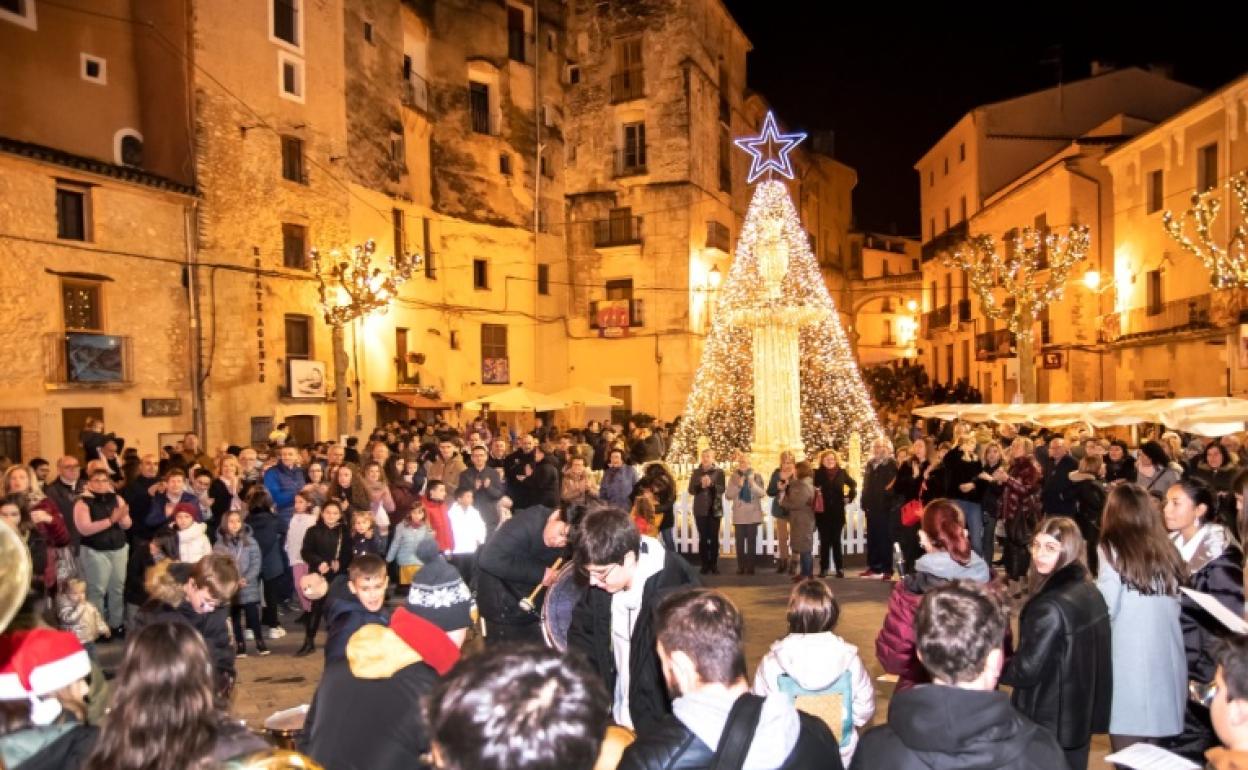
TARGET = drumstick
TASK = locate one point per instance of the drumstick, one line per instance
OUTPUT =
(526, 603)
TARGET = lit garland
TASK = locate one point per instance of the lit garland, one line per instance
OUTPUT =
(1022, 274)
(367, 289)
(834, 402)
(1227, 267)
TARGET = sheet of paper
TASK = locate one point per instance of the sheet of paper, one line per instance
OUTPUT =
(1218, 610)
(1145, 756)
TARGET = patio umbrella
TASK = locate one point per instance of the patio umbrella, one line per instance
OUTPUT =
(582, 396)
(518, 399)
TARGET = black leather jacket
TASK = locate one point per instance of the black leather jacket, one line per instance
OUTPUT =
(669, 745)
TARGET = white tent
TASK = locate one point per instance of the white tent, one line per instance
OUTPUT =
(1215, 416)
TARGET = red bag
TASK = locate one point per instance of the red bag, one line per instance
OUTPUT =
(912, 512)
(818, 506)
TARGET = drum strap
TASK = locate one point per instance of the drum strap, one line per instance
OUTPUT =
(734, 742)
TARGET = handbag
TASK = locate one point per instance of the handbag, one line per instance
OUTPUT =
(912, 511)
(818, 506)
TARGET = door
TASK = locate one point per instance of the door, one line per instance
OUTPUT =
(72, 421)
(302, 429)
(620, 414)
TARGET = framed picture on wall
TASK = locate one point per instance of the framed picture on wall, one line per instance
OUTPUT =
(307, 379)
(162, 407)
(495, 371)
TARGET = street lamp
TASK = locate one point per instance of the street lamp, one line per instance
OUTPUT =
(1092, 280)
(355, 289)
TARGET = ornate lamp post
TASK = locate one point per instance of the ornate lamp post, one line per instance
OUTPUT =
(355, 288)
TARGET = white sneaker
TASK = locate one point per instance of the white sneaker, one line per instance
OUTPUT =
(249, 635)
(275, 632)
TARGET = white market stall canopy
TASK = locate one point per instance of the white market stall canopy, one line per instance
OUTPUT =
(518, 399)
(1216, 416)
(581, 396)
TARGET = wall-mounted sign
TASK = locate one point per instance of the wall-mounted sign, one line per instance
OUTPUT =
(162, 407)
(495, 371)
(307, 379)
(1053, 360)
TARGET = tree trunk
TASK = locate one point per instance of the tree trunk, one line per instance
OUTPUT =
(1027, 366)
(341, 364)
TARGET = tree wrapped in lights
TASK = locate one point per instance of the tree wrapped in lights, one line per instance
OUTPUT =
(774, 289)
(1028, 282)
(353, 288)
(1228, 267)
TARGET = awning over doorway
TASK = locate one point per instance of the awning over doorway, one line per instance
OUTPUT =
(412, 400)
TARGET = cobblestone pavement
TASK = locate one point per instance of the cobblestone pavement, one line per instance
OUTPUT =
(280, 681)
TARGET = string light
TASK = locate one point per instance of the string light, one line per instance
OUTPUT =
(1024, 275)
(1227, 267)
(762, 159)
(367, 289)
(834, 402)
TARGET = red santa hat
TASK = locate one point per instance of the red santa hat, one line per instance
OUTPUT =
(37, 663)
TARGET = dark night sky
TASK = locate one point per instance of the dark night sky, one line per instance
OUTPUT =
(890, 86)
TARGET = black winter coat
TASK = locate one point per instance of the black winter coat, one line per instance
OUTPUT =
(959, 471)
(876, 479)
(1222, 578)
(266, 529)
(935, 727)
(672, 746)
(544, 484)
(1122, 470)
(1089, 495)
(512, 561)
(832, 486)
(1057, 493)
(211, 626)
(590, 632)
(1061, 672)
(322, 545)
(990, 491)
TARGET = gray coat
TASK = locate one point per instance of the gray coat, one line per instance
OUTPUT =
(798, 499)
(245, 552)
(707, 501)
(1150, 667)
(743, 512)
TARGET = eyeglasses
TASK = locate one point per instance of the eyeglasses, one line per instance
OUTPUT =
(1202, 692)
(598, 574)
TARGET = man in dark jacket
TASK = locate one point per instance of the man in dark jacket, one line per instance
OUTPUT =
(707, 485)
(1058, 494)
(877, 502)
(544, 483)
(960, 720)
(613, 624)
(604, 442)
(516, 559)
(65, 491)
(486, 484)
(699, 634)
(518, 470)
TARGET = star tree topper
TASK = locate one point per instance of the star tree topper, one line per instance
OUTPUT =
(770, 150)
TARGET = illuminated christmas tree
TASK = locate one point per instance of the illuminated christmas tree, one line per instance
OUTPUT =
(777, 371)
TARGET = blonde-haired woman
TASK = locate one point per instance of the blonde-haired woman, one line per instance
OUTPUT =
(780, 478)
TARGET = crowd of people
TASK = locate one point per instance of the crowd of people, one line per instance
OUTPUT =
(426, 537)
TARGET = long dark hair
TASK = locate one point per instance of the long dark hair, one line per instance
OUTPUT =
(1136, 543)
(163, 715)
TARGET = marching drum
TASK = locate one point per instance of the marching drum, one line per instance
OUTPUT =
(284, 727)
(561, 600)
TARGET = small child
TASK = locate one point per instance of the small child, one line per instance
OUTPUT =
(303, 518)
(327, 551)
(364, 537)
(644, 513)
(467, 534)
(407, 535)
(360, 601)
(193, 543)
(814, 657)
(434, 503)
(80, 616)
(234, 540)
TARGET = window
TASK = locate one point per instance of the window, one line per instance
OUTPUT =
(620, 288)
(946, 217)
(962, 202)
(888, 331)
(550, 41)
(966, 359)
(543, 279)
(80, 301)
(298, 337)
(633, 155)
(574, 74)
(73, 211)
(948, 289)
(400, 354)
(962, 152)
(949, 361)
(294, 246)
(718, 237)
(884, 272)
(398, 151)
(286, 24)
(504, 164)
(931, 179)
(431, 267)
(292, 160)
(479, 106)
(814, 245)
(1155, 298)
(290, 76)
(627, 82)
(1156, 191)
(493, 341)
(515, 33)
(94, 69)
(931, 227)
(725, 160)
(946, 167)
(546, 168)
(480, 274)
(1207, 167)
(11, 436)
(19, 12)
(399, 230)
(368, 31)
(1041, 226)
(128, 148)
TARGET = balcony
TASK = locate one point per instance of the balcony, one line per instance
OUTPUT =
(88, 361)
(1191, 314)
(628, 85)
(598, 309)
(946, 241)
(629, 161)
(989, 346)
(415, 92)
(936, 320)
(964, 311)
(617, 231)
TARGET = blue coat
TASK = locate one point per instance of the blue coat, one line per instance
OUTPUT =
(266, 530)
(245, 552)
(403, 545)
(283, 484)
